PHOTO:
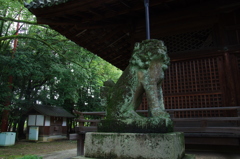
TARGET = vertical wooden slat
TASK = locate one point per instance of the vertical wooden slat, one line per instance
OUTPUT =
(230, 82)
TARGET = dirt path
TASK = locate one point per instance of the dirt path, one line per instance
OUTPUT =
(65, 154)
(22, 148)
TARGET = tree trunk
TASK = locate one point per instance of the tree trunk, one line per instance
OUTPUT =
(14, 128)
(70, 126)
(9, 125)
(21, 133)
(4, 125)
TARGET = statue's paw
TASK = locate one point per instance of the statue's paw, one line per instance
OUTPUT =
(160, 114)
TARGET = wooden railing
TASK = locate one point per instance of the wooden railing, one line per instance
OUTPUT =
(226, 126)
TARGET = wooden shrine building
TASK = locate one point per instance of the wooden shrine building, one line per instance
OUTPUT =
(202, 37)
(46, 123)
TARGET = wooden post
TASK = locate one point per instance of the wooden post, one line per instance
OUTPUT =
(81, 137)
(80, 144)
(231, 93)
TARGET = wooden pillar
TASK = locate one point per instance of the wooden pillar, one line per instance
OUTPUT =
(231, 94)
(80, 144)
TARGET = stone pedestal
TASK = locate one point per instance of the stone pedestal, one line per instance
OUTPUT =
(135, 145)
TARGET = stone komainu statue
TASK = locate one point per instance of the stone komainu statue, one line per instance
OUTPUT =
(144, 74)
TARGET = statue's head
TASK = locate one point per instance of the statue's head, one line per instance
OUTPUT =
(147, 51)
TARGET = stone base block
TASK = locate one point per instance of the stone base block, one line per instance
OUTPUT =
(135, 145)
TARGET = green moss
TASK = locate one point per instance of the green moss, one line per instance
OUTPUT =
(189, 156)
(146, 125)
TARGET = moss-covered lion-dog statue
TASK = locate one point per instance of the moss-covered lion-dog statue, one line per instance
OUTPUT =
(144, 74)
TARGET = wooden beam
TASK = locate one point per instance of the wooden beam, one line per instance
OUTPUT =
(78, 23)
(59, 21)
(126, 4)
(181, 20)
(210, 52)
(207, 119)
(85, 5)
(69, 7)
(234, 130)
(73, 136)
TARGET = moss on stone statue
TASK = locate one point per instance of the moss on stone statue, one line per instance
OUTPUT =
(144, 74)
(147, 125)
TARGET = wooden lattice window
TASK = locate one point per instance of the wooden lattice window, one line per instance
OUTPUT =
(192, 76)
(189, 41)
(193, 84)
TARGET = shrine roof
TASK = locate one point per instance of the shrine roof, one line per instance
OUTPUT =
(109, 28)
(44, 3)
(52, 111)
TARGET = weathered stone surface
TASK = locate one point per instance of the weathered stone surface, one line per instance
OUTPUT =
(135, 145)
(144, 74)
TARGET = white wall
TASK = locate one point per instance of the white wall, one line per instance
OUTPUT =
(31, 120)
(36, 120)
(64, 122)
(47, 120)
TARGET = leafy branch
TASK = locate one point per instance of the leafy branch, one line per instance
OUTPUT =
(21, 21)
(42, 41)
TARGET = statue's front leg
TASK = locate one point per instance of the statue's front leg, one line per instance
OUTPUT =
(160, 97)
(151, 81)
(154, 105)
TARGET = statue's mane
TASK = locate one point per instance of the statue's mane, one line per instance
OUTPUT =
(148, 51)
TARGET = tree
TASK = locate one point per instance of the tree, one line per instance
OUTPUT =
(47, 68)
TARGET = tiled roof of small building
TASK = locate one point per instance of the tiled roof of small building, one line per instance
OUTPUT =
(52, 111)
(44, 3)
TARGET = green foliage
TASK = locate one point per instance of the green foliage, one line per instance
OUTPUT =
(30, 157)
(46, 67)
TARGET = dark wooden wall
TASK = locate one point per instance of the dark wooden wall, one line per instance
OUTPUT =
(55, 127)
(205, 68)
